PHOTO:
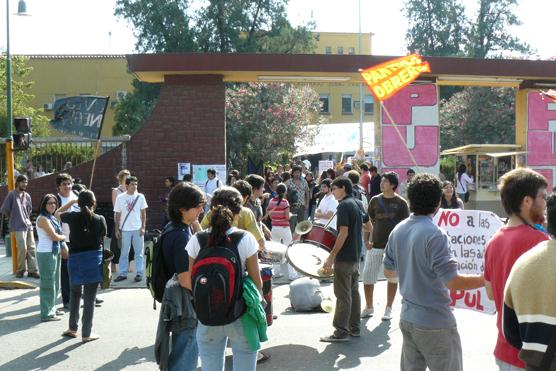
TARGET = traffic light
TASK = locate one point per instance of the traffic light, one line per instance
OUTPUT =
(22, 136)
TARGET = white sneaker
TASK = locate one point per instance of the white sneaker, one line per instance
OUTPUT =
(367, 312)
(387, 314)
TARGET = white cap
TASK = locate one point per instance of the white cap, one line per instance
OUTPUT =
(307, 164)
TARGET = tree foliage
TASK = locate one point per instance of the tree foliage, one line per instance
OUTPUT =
(257, 26)
(21, 100)
(478, 115)
(435, 27)
(264, 120)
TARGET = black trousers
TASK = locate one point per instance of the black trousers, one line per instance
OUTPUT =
(65, 282)
(89, 293)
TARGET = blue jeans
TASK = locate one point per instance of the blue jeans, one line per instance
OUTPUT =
(184, 353)
(212, 344)
(138, 244)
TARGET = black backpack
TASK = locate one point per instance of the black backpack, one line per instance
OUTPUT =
(156, 273)
(217, 281)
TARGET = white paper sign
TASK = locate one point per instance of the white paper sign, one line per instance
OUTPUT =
(468, 233)
(200, 173)
(324, 165)
(184, 168)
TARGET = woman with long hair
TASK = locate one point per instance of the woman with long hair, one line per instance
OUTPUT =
(462, 182)
(50, 247)
(87, 231)
(211, 340)
(279, 213)
(450, 200)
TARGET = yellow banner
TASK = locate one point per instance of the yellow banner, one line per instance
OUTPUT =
(388, 78)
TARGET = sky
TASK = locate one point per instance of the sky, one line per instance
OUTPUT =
(90, 27)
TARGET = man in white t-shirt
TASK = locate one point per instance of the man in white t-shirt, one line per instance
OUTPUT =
(64, 183)
(327, 206)
(130, 215)
(211, 185)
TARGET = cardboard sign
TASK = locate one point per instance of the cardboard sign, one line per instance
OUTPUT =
(388, 78)
(324, 165)
(468, 233)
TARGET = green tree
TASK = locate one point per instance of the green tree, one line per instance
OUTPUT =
(435, 27)
(21, 101)
(488, 35)
(264, 120)
(478, 115)
(208, 26)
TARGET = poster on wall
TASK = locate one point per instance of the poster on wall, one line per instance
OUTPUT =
(468, 233)
(200, 173)
(184, 168)
(325, 165)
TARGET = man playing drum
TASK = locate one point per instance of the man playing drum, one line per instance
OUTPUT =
(327, 206)
(345, 256)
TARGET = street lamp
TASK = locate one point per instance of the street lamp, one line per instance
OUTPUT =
(21, 10)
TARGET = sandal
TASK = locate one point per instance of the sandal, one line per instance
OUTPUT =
(90, 338)
(70, 334)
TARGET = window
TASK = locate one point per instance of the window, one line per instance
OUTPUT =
(328, 50)
(346, 104)
(369, 104)
(340, 50)
(351, 50)
(324, 103)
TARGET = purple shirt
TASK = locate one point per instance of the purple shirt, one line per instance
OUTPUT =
(18, 211)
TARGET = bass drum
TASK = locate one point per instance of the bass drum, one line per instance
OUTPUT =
(318, 235)
(308, 259)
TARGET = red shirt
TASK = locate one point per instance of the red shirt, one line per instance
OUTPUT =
(277, 214)
(365, 180)
(501, 252)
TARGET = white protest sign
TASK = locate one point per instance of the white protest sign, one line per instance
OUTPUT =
(184, 168)
(325, 165)
(200, 173)
(468, 233)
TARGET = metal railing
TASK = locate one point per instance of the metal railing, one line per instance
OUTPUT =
(48, 155)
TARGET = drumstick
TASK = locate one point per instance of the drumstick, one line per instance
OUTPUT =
(330, 220)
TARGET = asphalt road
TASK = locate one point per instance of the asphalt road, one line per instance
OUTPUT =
(127, 325)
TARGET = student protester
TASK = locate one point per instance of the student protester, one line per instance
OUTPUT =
(212, 184)
(298, 196)
(169, 183)
(327, 205)
(523, 194)
(87, 232)
(131, 219)
(115, 243)
(254, 202)
(185, 203)
(403, 185)
(529, 306)
(462, 183)
(374, 185)
(18, 208)
(50, 247)
(418, 255)
(450, 200)
(345, 257)
(386, 210)
(279, 213)
(365, 176)
(212, 340)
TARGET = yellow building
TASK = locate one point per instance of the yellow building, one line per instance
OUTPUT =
(340, 101)
(58, 76)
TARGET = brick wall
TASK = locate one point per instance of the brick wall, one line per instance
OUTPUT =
(187, 125)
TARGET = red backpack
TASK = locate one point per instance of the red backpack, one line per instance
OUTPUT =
(217, 281)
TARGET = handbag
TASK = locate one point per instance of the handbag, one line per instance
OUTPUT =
(107, 257)
(128, 213)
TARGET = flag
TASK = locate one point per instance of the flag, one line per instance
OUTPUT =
(388, 78)
(81, 115)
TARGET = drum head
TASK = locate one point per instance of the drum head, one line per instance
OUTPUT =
(308, 259)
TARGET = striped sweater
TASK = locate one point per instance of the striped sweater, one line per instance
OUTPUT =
(529, 313)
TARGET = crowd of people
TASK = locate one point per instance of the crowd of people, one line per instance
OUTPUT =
(377, 220)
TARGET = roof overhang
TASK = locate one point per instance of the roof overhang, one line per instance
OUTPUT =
(317, 68)
(487, 149)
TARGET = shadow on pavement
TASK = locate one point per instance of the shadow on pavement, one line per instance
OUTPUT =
(348, 355)
(129, 357)
(34, 360)
(16, 299)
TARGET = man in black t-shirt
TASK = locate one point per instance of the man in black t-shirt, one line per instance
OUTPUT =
(345, 256)
(185, 204)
